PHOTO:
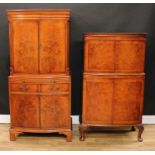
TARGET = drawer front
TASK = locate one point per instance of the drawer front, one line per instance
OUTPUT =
(55, 87)
(19, 87)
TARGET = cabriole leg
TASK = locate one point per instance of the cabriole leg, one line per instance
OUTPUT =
(12, 136)
(82, 132)
(133, 128)
(140, 131)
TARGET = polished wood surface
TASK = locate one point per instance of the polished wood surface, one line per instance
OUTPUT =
(113, 81)
(119, 55)
(98, 140)
(24, 109)
(128, 100)
(24, 40)
(39, 38)
(53, 46)
(39, 81)
(55, 111)
(95, 97)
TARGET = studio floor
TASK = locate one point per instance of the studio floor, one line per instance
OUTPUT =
(105, 140)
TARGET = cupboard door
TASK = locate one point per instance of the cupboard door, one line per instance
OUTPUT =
(130, 56)
(24, 111)
(55, 111)
(24, 58)
(97, 101)
(128, 101)
(99, 56)
(53, 46)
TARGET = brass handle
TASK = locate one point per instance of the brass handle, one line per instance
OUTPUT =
(55, 88)
(21, 88)
(41, 110)
(26, 88)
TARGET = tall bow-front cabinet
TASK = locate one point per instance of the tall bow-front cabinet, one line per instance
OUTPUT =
(39, 81)
(113, 81)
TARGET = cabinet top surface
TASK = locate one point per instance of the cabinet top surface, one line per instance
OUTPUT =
(38, 13)
(115, 34)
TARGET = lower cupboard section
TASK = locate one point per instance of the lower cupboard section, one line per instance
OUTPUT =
(44, 111)
(54, 111)
(24, 111)
(114, 100)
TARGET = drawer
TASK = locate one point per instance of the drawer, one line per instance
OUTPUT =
(55, 87)
(20, 87)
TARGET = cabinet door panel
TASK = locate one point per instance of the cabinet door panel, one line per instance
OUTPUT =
(130, 56)
(128, 101)
(99, 56)
(98, 98)
(55, 111)
(25, 47)
(53, 53)
(25, 111)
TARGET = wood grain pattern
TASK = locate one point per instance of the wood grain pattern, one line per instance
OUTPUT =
(130, 56)
(113, 83)
(128, 99)
(22, 87)
(103, 54)
(24, 47)
(98, 95)
(99, 56)
(25, 111)
(55, 87)
(39, 81)
(54, 113)
(53, 51)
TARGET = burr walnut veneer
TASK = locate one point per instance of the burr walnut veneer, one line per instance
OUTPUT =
(39, 81)
(113, 81)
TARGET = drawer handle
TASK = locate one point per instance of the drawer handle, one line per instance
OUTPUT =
(54, 88)
(21, 88)
(26, 88)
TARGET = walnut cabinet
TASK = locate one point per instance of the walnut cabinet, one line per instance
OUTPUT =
(113, 81)
(39, 81)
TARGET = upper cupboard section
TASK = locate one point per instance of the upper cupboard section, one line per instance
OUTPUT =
(108, 53)
(39, 41)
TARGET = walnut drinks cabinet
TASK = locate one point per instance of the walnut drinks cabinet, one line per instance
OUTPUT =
(39, 81)
(113, 81)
